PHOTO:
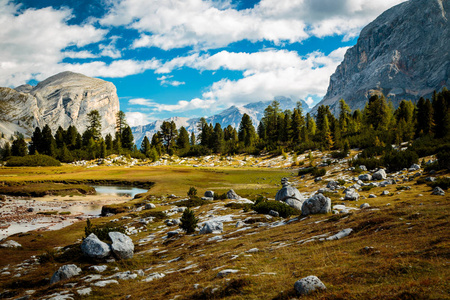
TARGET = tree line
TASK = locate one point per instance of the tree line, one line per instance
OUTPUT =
(379, 125)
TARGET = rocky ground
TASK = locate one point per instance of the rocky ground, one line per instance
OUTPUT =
(384, 235)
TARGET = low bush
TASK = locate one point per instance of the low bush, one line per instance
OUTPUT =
(193, 202)
(442, 182)
(234, 205)
(32, 161)
(314, 171)
(397, 160)
(188, 221)
(443, 160)
(158, 215)
(101, 231)
(285, 211)
(370, 163)
(220, 196)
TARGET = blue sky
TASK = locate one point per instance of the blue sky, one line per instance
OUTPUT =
(184, 57)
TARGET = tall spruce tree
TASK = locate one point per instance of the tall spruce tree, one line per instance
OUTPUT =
(94, 125)
(19, 147)
(183, 141)
(247, 133)
(218, 137)
(127, 138)
(169, 134)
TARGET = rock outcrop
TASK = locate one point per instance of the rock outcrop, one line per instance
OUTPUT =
(62, 100)
(402, 54)
(290, 195)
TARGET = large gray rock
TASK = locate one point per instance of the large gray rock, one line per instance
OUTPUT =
(212, 227)
(62, 100)
(122, 245)
(403, 53)
(290, 195)
(365, 177)
(379, 175)
(308, 285)
(317, 204)
(352, 195)
(231, 194)
(10, 244)
(438, 191)
(94, 248)
(65, 272)
(209, 194)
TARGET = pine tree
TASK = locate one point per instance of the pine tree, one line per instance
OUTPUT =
(157, 142)
(36, 142)
(193, 141)
(311, 125)
(127, 138)
(94, 124)
(102, 146)
(169, 134)
(188, 221)
(145, 146)
(344, 116)
(48, 142)
(121, 123)
(218, 137)
(183, 141)
(298, 122)
(6, 151)
(326, 134)
(65, 155)
(59, 137)
(19, 147)
(247, 133)
(109, 142)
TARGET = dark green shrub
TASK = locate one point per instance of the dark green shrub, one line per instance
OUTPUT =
(193, 202)
(188, 221)
(339, 154)
(220, 196)
(304, 171)
(192, 192)
(32, 161)
(397, 160)
(264, 207)
(318, 172)
(370, 163)
(443, 159)
(158, 215)
(442, 182)
(340, 181)
(244, 206)
(101, 231)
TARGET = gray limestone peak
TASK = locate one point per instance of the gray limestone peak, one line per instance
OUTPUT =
(61, 100)
(403, 54)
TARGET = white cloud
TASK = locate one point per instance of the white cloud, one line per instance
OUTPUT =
(32, 41)
(208, 24)
(79, 54)
(165, 81)
(181, 105)
(138, 118)
(265, 74)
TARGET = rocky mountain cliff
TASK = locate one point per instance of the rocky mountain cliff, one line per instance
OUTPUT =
(403, 54)
(62, 100)
(230, 116)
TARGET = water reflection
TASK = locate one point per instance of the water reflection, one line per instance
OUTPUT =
(118, 190)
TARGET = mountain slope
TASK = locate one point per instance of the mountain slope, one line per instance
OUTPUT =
(403, 54)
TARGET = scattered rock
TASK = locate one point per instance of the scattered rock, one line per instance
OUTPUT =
(172, 233)
(239, 224)
(209, 194)
(150, 206)
(226, 272)
(379, 175)
(414, 167)
(365, 177)
(274, 213)
(212, 227)
(231, 194)
(122, 246)
(317, 179)
(290, 195)
(365, 205)
(104, 283)
(385, 193)
(65, 272)
(84, 292)
(99, 269)
(340, 234)
(154, 276)
(308, 285)
(372, 196)
(351, 194)
(253, 250)
(10, 244)
(363, 167)
(430, 179)
(332, 185)
(438, 191)
(94, 248)
(317, 204)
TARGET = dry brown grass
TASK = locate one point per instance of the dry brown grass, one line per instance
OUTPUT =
(409, 258)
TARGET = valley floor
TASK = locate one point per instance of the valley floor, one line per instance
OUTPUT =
(398, 248)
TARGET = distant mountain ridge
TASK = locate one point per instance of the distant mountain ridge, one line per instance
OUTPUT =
(230, 116)
(404, 54)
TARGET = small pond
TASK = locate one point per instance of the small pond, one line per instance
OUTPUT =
(118, 190)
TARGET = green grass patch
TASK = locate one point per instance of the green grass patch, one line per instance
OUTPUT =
(32, 161)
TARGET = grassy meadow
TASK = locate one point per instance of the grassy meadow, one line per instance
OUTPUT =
(399, 248)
